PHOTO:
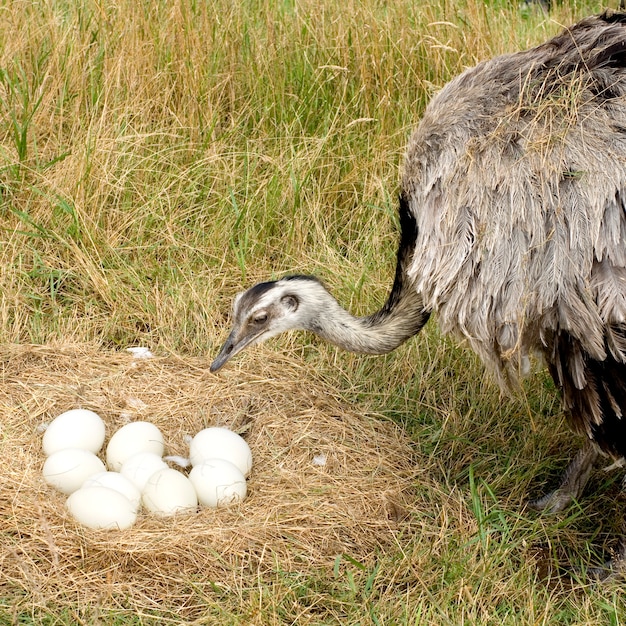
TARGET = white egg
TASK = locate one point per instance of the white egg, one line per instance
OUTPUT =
(117, 482)
(168, 492)
(102, 507)
(78, 428)
(218, 483)
(66, 470)
(140, 467)
(130, 440)
(221, 443)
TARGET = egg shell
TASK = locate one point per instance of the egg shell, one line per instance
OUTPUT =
(221, 443)
(140, 467)
(168, 492)
(132, 439)
(101, 508)
(66, 470)
(218, 483)
(77, 428)
(117, 482)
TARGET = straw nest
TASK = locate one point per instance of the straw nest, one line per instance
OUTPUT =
(299, 515)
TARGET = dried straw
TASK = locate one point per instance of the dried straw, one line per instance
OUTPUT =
(299, 515)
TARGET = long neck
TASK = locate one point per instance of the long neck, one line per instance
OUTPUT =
(379, 333)
(401, 317)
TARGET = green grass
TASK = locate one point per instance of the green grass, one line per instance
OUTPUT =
(157, 157)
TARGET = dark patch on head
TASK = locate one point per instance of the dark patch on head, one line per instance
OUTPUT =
(312, 279)
(254, 293)
(307, 278)
(260, 289)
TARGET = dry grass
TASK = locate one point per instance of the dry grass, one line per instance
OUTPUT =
(298, 516)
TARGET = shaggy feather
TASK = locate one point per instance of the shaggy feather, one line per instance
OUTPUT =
(528, 176)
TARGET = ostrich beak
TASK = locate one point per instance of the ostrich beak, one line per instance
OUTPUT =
(232, 346)
(227, 351)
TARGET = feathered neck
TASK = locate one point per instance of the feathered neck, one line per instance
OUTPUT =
(379, 333)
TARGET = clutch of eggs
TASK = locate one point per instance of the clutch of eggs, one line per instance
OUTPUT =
(137, 475)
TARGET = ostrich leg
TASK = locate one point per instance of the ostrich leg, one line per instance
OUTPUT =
(572, 484)
(615, 568)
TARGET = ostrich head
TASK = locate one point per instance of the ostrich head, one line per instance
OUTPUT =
(270, 308)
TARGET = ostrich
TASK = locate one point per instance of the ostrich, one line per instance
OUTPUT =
(513, 231)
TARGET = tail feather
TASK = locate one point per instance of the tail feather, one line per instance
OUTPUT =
(594, 391)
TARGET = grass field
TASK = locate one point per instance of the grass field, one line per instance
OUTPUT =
(156, 157)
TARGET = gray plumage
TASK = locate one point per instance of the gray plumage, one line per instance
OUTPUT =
(512, 211)
(516, 176)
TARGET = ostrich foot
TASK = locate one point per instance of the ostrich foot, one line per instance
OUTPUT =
(613, 570)
(572, 484)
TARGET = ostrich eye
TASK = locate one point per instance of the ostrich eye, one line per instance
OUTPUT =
(260, 318)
